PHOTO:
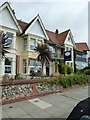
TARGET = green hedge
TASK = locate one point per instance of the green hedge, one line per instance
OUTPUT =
(68, 80)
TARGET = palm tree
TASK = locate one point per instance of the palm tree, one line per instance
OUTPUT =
(4, 45)
(44, 54)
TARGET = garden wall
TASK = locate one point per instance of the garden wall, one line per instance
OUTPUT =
(17, 90)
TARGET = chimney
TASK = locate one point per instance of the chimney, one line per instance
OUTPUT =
(56, 31)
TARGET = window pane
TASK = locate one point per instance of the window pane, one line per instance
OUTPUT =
(8, 61)
(39, 64)
(10, 38)
(7, 69)
(32, 44)
(32, 62)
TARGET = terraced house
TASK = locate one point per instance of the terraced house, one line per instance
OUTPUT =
(24, 37)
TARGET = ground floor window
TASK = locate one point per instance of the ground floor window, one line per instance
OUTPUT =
(32, 65)
(8, 65)
(39, 66)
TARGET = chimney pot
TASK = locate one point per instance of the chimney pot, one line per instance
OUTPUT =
(56, 31)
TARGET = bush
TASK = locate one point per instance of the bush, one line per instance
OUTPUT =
(65, 69)
(68, 80)
(87, 71)
(7, 77)
(69, 69)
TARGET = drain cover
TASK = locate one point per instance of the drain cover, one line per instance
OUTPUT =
(36, 101)
(10, 106)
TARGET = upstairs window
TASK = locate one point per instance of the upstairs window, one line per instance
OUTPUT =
(24, 44)
(10, 39)
(32, 44)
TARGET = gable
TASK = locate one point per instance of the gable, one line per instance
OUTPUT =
(6, 19)
(36, 29)
(69, 40)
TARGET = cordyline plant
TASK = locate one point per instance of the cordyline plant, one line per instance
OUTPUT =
(44, 54)
(4, 45)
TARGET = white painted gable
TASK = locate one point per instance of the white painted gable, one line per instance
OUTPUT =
(36, 29)
(68, 40)
(6, 19)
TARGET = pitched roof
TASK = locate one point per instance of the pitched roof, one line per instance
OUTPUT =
(22, 24)
(58, 39)
(82, 46)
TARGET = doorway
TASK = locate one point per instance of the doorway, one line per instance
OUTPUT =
(47, 70)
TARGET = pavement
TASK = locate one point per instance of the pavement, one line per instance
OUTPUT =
(57, 105)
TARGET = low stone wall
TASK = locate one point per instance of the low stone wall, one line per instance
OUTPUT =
(19, 89)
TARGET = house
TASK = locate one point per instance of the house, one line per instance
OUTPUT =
(63, 41)
(81, 53)
(32, 34)
(10, 26)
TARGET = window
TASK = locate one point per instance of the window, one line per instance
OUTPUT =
(24, 44)
(39, 66)
(68, 38)
(32, 44)
(24, 65)
(67, 48)
(52, 49)
(32, 65)
(10, 38)
(67, 63)
(8, 65)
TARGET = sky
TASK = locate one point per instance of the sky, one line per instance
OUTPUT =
(56, 14)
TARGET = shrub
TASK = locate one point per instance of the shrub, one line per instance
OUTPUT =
(69, 69)
(7, 77)
(87, 71)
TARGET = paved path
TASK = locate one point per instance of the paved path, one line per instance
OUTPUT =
(52, 106)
